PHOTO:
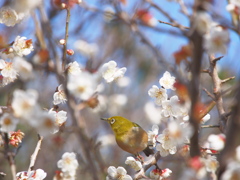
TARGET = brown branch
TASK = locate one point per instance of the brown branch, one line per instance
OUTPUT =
(174, 25)
(217, 91)
(205, 71)
(228, 79)
(11, 161)
(35, 153)
(209, 94)
(64, 57)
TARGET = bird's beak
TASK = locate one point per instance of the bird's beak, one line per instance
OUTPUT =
(104, 119)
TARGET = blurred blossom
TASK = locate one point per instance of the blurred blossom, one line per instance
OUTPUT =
(38, 174)
(111, 72)
(7, 70)
(22, 47)
(8, 16)
(68, 164)
(234, 8)
(167, 81)
(117, 173)
(216, 142)
(216, 41)
(205, 118)
(60, 116)
(238, 153)
(87, 49)
(203, 22)
(116, 102)
(73, 68)
(24, 7)
(179, 132)
(59, 96)
(146, 17)
(136, 165)
(152, 136)
(44, 123)
(124, 81)
(7, 53)
(23, 67)
(102, 104)
(160, 174)
(171, 107)
(106, 140)
(232, 171)
(211, 164)
(159, 94)
(83, 85)
(153, 113)
(24, 103)
(165, 152)
(8, 123)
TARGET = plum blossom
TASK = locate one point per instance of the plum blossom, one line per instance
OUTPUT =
(117, 174)
(160, 94)
(68, 164)
(136, 165)
(82, 85)
(73, 68)
(23, 67)
(8, 16)
(211, 164)
(111, 72)
(152, 112)
(15, 138)
(24, 103)
(152, 136)
(171, 107)
(216, 142)
(60, 116)
(59, 96)
(203, 22)
(160, 174)
(7, 70)
(216, 41)
(38, 174)
(87, 49)
(22, 47)
(8, 123)
(167, 81)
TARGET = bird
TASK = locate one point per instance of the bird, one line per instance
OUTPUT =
(129, 136)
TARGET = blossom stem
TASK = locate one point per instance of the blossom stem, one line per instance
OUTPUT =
(35, 153)
(64, 58)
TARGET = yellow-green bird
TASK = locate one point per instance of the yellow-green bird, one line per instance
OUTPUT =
(129, 135)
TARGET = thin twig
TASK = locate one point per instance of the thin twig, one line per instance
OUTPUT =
(210, 126)
(228, 79)
(64, 58)
(209, 94)
(35, 153)
(174, 25)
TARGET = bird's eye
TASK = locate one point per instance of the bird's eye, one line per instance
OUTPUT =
(112, 121)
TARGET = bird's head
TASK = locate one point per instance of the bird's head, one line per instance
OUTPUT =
(118, 122)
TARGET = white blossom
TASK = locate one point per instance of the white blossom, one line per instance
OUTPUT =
(216, 41)
(111, 72)
(22, 47)
(60, 116)
(232, 171)
(167, 81)
(68, 163)
(24, 103)
(117, 173)
(38, 174)
(23, 67)
(152, 136)
(8, 16)
(82, 85)
(203, 22)
(216, 142)
(211, 164)
(8, 123)
(171, 107)
(7, 69)
(153, 113)
(59, 96)
(136, 165)
(87, 49)
(160, 94)
(73, 68)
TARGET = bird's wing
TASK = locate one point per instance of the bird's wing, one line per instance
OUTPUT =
(135, 124)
